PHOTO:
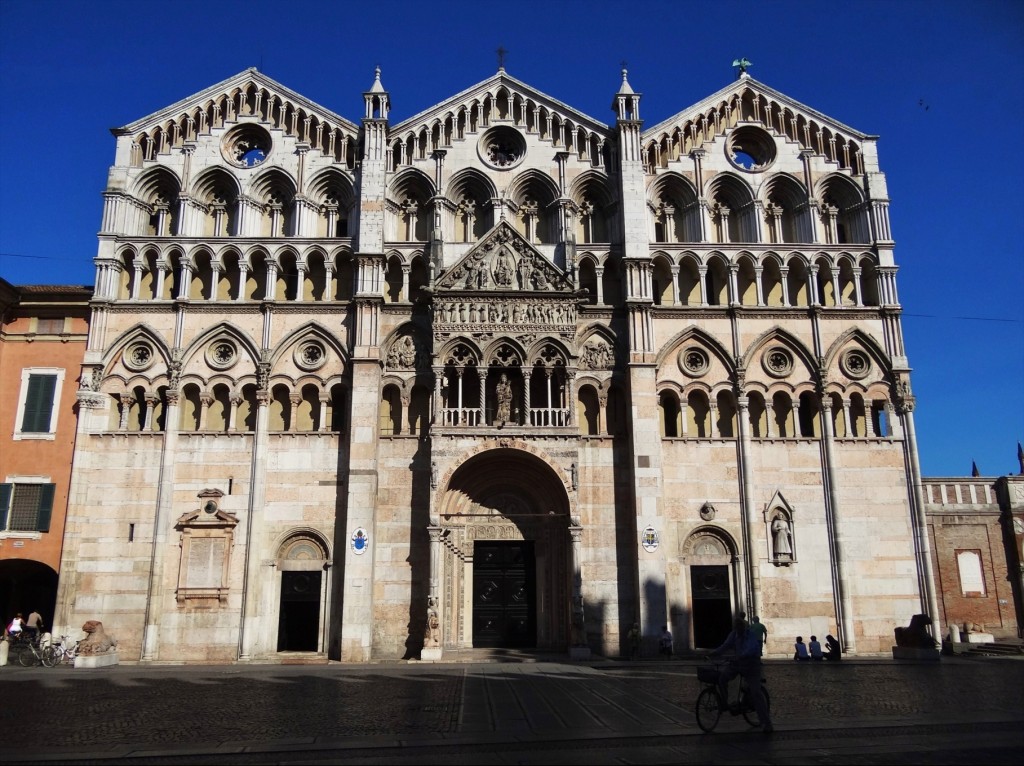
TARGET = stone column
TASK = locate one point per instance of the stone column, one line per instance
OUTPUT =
(205, 400)
(675, 285)
(599, 272)
(856, 285)
(151, 401)
(235, 401)
(578, 646)
(433, 641)
(293, 422)
(712, 417)
(843, 607)
(248, 636)
(784, 279)
(769, 415)
(162, 527)
(127, 400)
(846, 418)
(243, 276)
(702, 271)
(751, 570)
(324, 401)
(758, 276)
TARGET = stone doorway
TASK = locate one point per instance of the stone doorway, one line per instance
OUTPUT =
(504, 595)
(298, 627)
(505, 576)
(303, 593)
(712, 609)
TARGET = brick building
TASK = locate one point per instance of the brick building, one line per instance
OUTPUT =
(43, 331)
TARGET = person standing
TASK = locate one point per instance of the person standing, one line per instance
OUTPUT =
(34, 626)
(758, 629)
(633, 638)
(747, 663)
(665, 642)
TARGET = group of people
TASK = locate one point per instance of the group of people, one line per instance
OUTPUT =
(812, 651)
(19, 627)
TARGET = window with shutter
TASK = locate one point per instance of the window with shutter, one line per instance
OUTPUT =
(37, 404)
(26, 507)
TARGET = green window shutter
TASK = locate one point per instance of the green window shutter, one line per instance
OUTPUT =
(39, 404)
(45, 507)
(5, 504)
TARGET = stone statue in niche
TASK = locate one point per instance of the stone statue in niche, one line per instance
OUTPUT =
(504, 396)
(782, 538)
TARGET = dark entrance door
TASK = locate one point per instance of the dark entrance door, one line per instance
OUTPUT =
(504, 591)
(298, 626)
(712, 612)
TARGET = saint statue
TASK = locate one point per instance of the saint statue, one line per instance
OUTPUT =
(782, 537)
(504, 394)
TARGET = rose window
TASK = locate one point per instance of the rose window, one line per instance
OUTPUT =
(138, 356)
(778, 362)
(221, 354)
(693, 362)
(310, 355)
(855, 364)
(502, 147)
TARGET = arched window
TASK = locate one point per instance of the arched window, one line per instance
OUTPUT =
(663, 283)
(191, 407)
(758, 415)
(689, 283)
(219, 409)
(390, 411)
(726, 425)
(810, 416)
(588, 411)
(698, 414)
(307, 414)
(668, 405)
(588, 280)
(280, 408)
(782, 408)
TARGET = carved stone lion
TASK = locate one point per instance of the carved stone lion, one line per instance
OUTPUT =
(96, 640)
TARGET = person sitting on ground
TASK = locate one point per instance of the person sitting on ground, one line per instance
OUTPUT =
(801, 650)
(815, 648)
(746, 645)
(665, 642)
(832, 650)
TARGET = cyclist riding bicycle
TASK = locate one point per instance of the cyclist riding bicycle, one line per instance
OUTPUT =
(746, 645)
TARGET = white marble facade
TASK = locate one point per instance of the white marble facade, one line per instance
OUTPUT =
(498, 374)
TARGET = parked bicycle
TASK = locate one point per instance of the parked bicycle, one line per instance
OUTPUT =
(66, 651)
(711, 704)
(29, 652)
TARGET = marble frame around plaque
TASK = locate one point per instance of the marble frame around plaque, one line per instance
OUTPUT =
(207, 535)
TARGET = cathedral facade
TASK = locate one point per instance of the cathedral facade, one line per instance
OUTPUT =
(498, 375)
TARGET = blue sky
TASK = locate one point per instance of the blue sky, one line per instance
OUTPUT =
(939, 82)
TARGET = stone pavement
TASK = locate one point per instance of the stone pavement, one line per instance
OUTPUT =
(860, 711)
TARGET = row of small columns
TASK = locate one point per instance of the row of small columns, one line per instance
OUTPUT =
(527, 373)
(770, 431)
(206, 400)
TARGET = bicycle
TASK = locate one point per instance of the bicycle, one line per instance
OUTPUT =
(29, 652)
(710, 702)
(65, 652)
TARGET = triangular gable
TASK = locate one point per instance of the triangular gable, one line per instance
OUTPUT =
(503, 261)
(777, 501)
(242, 80)
(490, 86)
(736, 88)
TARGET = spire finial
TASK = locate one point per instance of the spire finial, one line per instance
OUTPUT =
(974, 469)
(501, 57)
(743, 65)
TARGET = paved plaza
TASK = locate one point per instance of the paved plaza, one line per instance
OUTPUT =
(534, 712)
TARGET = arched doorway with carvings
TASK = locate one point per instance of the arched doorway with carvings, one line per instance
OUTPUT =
(712, 584)
(303, 598)
(507, 562)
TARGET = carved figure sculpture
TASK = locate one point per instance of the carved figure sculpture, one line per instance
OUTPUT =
(782, 537)
(432, 636)
(916, 634)
(96, 640)
(504, 269)
(504, 394)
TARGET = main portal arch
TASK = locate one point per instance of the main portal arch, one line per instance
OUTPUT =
(507, 563)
